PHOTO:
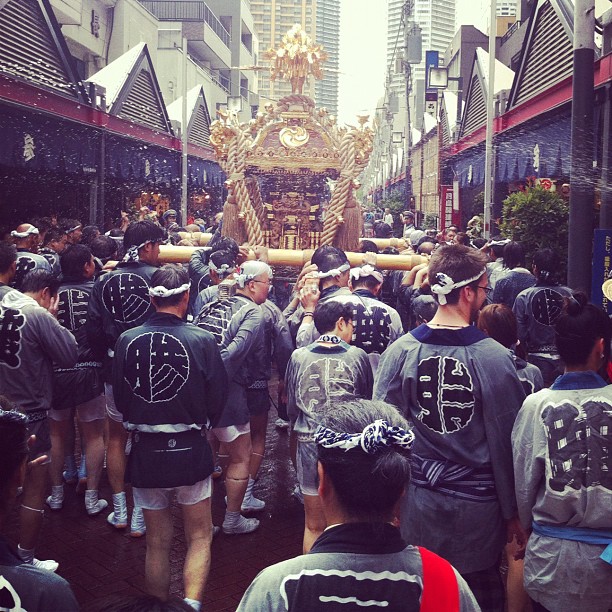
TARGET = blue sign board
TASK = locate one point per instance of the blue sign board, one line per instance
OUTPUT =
(432, 59)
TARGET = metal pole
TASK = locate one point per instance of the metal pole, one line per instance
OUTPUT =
(582, 176)
(408, 5)
(488, 186)
(184, 134)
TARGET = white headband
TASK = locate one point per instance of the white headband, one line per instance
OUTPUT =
(73, 229)
(446, 284)
(365, 271)
(163, 292)
(223, 268)
(500, 242)
(335, 271)
(30, 230)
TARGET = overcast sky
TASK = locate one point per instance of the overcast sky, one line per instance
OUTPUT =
(363, 49)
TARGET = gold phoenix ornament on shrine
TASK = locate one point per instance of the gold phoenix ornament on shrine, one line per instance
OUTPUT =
(296, 58)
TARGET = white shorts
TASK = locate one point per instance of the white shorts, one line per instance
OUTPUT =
(159, 499)
(231, 432)
(306, 467)
(93, 410)
(111, 407)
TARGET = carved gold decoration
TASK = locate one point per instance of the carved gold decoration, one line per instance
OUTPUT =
(296, 59)
(293, 146)
(293, 137)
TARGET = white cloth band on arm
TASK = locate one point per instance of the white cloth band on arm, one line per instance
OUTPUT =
(30, 230)
(446, 284)
(163, 292)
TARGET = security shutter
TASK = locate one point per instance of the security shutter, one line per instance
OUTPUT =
(28, 50)
(549, 57)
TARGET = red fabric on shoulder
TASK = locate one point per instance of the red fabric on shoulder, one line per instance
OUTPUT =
(440, 588)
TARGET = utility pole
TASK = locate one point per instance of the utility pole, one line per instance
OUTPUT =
(581, 174)
(184, 138)
(489, 173)
(412, 47)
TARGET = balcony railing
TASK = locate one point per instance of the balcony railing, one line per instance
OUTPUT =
(187, 10)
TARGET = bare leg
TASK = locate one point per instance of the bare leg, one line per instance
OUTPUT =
(197, 521)
(517, 596)
(59, 431)
(157, 562)
(33, 499)
(237, 471)
(93, 432)
(314, 520)
(259, 424)
(115, 457)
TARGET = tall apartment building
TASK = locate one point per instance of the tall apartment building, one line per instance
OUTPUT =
(320, 19)
(436, 18)
(506, 8)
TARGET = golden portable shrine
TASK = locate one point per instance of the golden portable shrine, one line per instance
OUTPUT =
(292, 171)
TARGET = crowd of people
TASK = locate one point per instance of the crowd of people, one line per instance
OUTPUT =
(445, 422)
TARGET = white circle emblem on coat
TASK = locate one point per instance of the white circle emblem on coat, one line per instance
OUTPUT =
(156, 366)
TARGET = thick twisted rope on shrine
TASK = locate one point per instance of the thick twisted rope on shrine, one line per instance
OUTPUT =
(342, 191)
(243, 199)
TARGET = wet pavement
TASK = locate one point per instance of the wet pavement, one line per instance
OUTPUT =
(100, 561)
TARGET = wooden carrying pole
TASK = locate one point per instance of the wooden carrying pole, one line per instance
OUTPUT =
(383, 243)
(203, 238)
(286, 257)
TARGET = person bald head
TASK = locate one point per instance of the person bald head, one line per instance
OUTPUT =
(26, 237)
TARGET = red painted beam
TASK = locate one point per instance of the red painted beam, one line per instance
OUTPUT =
(553, 97)
(23, 94)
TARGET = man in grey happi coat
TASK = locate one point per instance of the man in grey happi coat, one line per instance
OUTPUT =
(460, 390)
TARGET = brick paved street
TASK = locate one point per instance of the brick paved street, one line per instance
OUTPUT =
(99, 561)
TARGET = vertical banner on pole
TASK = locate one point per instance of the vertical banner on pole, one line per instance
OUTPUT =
(602, 254)
(456, 207)
(446, 205)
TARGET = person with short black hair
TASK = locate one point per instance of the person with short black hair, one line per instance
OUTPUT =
(73, 229)
(562, 440)
(537, 310)
(8, 264)
(326, 371)
(89, 234)
(104, 249)
(169, 384)
(31, 342)
(79, 389)
(221, 265)
(330, 280)
(363, 466)
(375, 324)
(514, 277)
(53, 245)
(460, 390)
(22, 586)
(367, 246)
(120, 301)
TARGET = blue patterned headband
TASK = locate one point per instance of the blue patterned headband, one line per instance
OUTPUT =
(373, 438)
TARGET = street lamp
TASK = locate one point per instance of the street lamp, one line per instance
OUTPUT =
(437, 78)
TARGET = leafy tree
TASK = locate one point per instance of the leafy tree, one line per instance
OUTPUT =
(537, 218)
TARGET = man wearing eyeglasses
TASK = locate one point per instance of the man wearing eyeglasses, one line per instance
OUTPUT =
(460, 390)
